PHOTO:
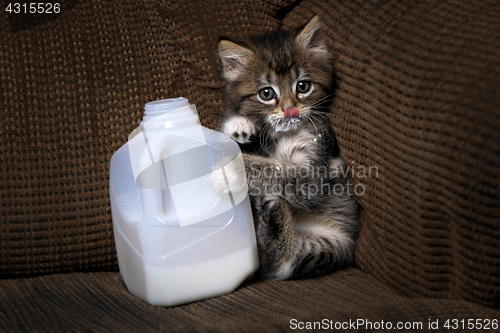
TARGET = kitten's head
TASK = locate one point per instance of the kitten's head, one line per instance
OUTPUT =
(279, 81)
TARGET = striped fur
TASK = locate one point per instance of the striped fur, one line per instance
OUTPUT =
(306, 220)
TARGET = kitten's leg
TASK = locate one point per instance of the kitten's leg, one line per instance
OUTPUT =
(326, 239)
(296, 242)
(275, 237)
(303, 243)
(322, 244)
(295, 245)
(260, 175)
(301, 186)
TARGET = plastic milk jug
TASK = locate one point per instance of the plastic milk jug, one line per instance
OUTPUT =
(177, 239)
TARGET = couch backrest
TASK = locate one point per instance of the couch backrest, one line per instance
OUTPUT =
(417, 106)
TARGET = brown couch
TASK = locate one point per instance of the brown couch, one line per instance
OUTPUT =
(417, 107)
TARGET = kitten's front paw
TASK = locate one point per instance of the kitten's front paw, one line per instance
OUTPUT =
(240, 129)
(235, 176)
(219, 182)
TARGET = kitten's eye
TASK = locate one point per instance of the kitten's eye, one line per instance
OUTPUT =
(303, 87)
(267, 94)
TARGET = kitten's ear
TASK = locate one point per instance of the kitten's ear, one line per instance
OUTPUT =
(310, 36)
(234, 57)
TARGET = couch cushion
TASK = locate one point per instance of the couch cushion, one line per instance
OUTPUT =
(417, 114)
(83, 302)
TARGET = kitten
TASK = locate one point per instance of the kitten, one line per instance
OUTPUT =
(278, 92)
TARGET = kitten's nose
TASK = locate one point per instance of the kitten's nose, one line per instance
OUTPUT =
(291, 112)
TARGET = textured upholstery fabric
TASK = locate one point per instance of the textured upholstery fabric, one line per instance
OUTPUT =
(99, 302)
(417, 116)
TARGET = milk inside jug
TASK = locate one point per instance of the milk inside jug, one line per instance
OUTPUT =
(178, 239)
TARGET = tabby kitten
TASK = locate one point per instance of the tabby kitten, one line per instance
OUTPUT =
(278, 93)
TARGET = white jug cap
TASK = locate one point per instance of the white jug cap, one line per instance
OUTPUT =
(156, 108)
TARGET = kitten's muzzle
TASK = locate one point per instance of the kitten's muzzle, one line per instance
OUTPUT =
(292, 112)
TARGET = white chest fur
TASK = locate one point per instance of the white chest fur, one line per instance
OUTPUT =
(296, 147)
